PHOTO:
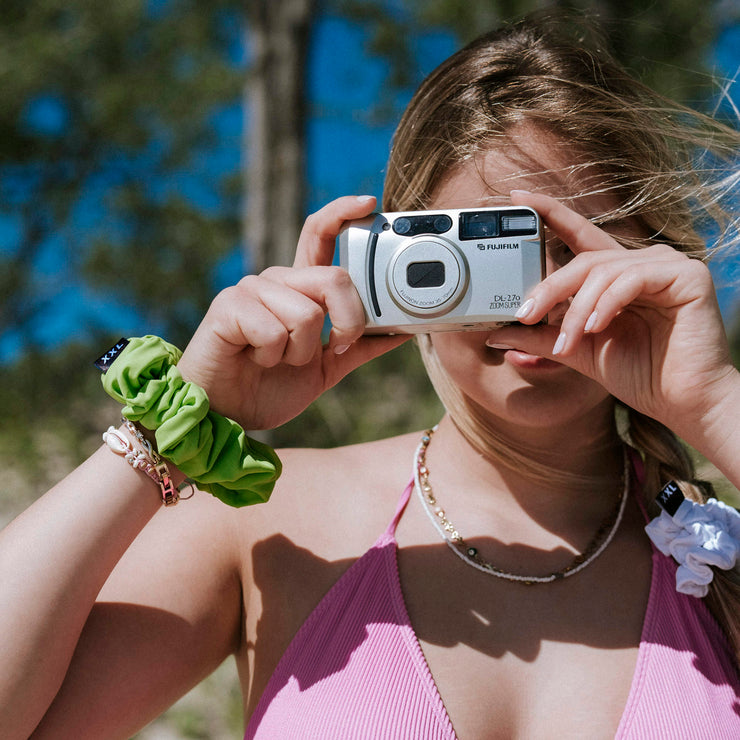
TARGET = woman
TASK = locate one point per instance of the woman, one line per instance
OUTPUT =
(348, 621)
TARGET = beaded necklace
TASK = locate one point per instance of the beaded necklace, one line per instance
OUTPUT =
(604, 535)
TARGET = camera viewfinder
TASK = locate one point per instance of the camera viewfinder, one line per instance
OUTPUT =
(479, 225)
(491, 224)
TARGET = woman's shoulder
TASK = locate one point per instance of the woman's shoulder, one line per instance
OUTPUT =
(382, 459)
(376, 468)
(353, 489)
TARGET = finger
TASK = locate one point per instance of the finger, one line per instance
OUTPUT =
(610, 288)
(541, 341)
(295, 337)
(243, 322)
(575, 230)
(331, 288)
(652, 284)
(581, 282)
(535, 340)
(319, 233)
(563, 286)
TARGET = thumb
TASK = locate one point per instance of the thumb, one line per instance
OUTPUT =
(366, 348)
(535, 340)
(544, 341)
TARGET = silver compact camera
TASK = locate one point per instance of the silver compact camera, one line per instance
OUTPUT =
(445, 270)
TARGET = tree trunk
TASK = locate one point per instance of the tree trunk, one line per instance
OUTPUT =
(274, 141)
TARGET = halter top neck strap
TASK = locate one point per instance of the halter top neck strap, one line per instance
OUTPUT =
(400, 508)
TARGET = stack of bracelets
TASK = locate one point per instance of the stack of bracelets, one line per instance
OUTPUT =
(140, 455)
(209, 449)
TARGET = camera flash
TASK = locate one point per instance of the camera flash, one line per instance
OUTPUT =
(517, 224)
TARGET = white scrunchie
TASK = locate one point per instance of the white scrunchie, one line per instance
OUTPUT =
(698, 536)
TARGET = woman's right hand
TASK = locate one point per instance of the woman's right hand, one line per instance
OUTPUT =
(258, 352)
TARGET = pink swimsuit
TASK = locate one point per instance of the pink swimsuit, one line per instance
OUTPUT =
(355, 668)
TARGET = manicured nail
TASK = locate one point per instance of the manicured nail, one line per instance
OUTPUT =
(525, 309)
(364, 198)
(520, 192)
(495, 345)
(340, 349)
(559, 344)
(591, 321)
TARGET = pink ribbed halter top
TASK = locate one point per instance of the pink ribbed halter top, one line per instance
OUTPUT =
(355, 669)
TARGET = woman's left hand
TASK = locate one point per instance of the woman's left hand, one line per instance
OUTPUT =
(643, 323)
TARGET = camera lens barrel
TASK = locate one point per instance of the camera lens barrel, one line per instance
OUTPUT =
(427, 276)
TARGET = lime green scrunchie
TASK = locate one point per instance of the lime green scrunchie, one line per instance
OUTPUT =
(210, 449)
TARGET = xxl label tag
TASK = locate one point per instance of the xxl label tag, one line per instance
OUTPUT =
(670, 498)
(104, 362)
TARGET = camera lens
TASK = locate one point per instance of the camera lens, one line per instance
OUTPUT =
(402, 225)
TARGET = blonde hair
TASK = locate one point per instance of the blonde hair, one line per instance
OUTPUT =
(668, 168)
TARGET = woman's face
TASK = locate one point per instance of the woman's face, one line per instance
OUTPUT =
(523, 393)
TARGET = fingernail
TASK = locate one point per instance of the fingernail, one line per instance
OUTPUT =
(340, 349)
(559, 344)
(525, 308)
(590, 322)
(495, 345)
(364, 198)
(520, 192)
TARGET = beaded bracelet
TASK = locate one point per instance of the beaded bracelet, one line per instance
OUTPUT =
(210, 449)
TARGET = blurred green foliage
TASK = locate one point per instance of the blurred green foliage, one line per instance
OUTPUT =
(113, 103)
(139, 81)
